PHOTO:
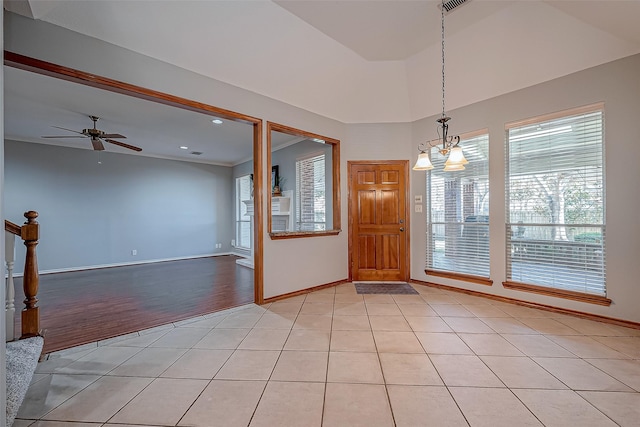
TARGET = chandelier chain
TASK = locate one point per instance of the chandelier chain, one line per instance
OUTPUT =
(442, 20)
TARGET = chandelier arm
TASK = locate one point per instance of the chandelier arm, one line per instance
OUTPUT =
(445, 137)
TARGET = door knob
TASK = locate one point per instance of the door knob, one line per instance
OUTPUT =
(401, 228)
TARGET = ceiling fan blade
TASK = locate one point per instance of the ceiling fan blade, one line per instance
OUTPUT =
(122, 144)
(97, 144)
(70, 130)
(112, 135)
(70, 136)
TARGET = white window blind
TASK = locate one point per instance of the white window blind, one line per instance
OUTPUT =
(458, 212)
(555, 202)
(310, 193)
(243, 221)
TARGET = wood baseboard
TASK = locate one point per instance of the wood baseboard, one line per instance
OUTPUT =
(305, 291)
(576, 313)
(459, 276)
(124, 264)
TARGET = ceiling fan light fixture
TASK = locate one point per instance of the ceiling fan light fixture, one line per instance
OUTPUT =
(97, 137)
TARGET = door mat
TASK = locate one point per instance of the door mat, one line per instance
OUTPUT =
(385, 288)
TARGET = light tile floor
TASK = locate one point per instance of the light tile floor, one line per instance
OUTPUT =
(336, 358)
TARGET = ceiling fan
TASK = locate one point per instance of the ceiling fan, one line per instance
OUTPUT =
(97, 136)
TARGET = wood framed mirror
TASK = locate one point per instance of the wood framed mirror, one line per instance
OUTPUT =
(304, 200)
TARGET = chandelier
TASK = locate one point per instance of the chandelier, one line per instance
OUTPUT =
(448, 144)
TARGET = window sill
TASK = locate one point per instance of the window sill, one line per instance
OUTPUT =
(300, 234)
(459, 276)
(560, 293)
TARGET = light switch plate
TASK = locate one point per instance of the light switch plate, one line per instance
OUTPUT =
(418, 198)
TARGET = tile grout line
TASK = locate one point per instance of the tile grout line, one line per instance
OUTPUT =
(266, 384)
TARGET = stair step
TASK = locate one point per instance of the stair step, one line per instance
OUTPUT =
(22, 359)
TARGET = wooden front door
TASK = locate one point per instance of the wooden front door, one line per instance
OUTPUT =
(378, 220)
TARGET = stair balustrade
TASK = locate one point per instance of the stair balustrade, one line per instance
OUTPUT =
(29, 233)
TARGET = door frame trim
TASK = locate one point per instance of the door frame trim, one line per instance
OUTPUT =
(405, 165)
(22, 62)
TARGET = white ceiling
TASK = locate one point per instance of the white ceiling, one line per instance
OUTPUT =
(354, 61)
(387, 30)
(36, 103)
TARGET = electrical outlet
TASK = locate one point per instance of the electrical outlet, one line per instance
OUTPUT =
(134, 252)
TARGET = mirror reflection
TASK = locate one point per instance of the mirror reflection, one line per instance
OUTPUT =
(303, 188)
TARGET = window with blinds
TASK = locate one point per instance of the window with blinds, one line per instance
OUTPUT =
(310, 193)
(243, 221)
(555, 201)
(458, 211)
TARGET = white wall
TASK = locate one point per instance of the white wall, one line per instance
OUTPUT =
(94, 214)
(616, 84)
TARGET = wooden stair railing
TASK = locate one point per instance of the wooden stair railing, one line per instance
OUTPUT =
(29, 233)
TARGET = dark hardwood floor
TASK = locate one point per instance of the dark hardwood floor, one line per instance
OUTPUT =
(91, 305)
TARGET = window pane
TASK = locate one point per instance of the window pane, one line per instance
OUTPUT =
(243, 239)
(243, 221)
(458, 212)
(310, 194)
(555, 203)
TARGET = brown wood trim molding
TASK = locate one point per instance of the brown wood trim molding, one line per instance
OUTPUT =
(258, 227)
(12, 227)
(277, 127)
(575, 313)
(305, 291)
(38, 66)
(280, 235)
(560, 293)
(459, 276)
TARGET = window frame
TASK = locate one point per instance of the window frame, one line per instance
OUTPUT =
(298, 213)
(472, 278)
(509, 283)
(238, 210)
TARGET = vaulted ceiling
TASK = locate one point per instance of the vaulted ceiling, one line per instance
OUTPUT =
(361, 61)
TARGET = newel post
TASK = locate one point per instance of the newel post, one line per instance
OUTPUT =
(31, 313)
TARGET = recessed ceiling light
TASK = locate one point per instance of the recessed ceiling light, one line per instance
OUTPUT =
(184, 147)
(321, 141)
(216, 121)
